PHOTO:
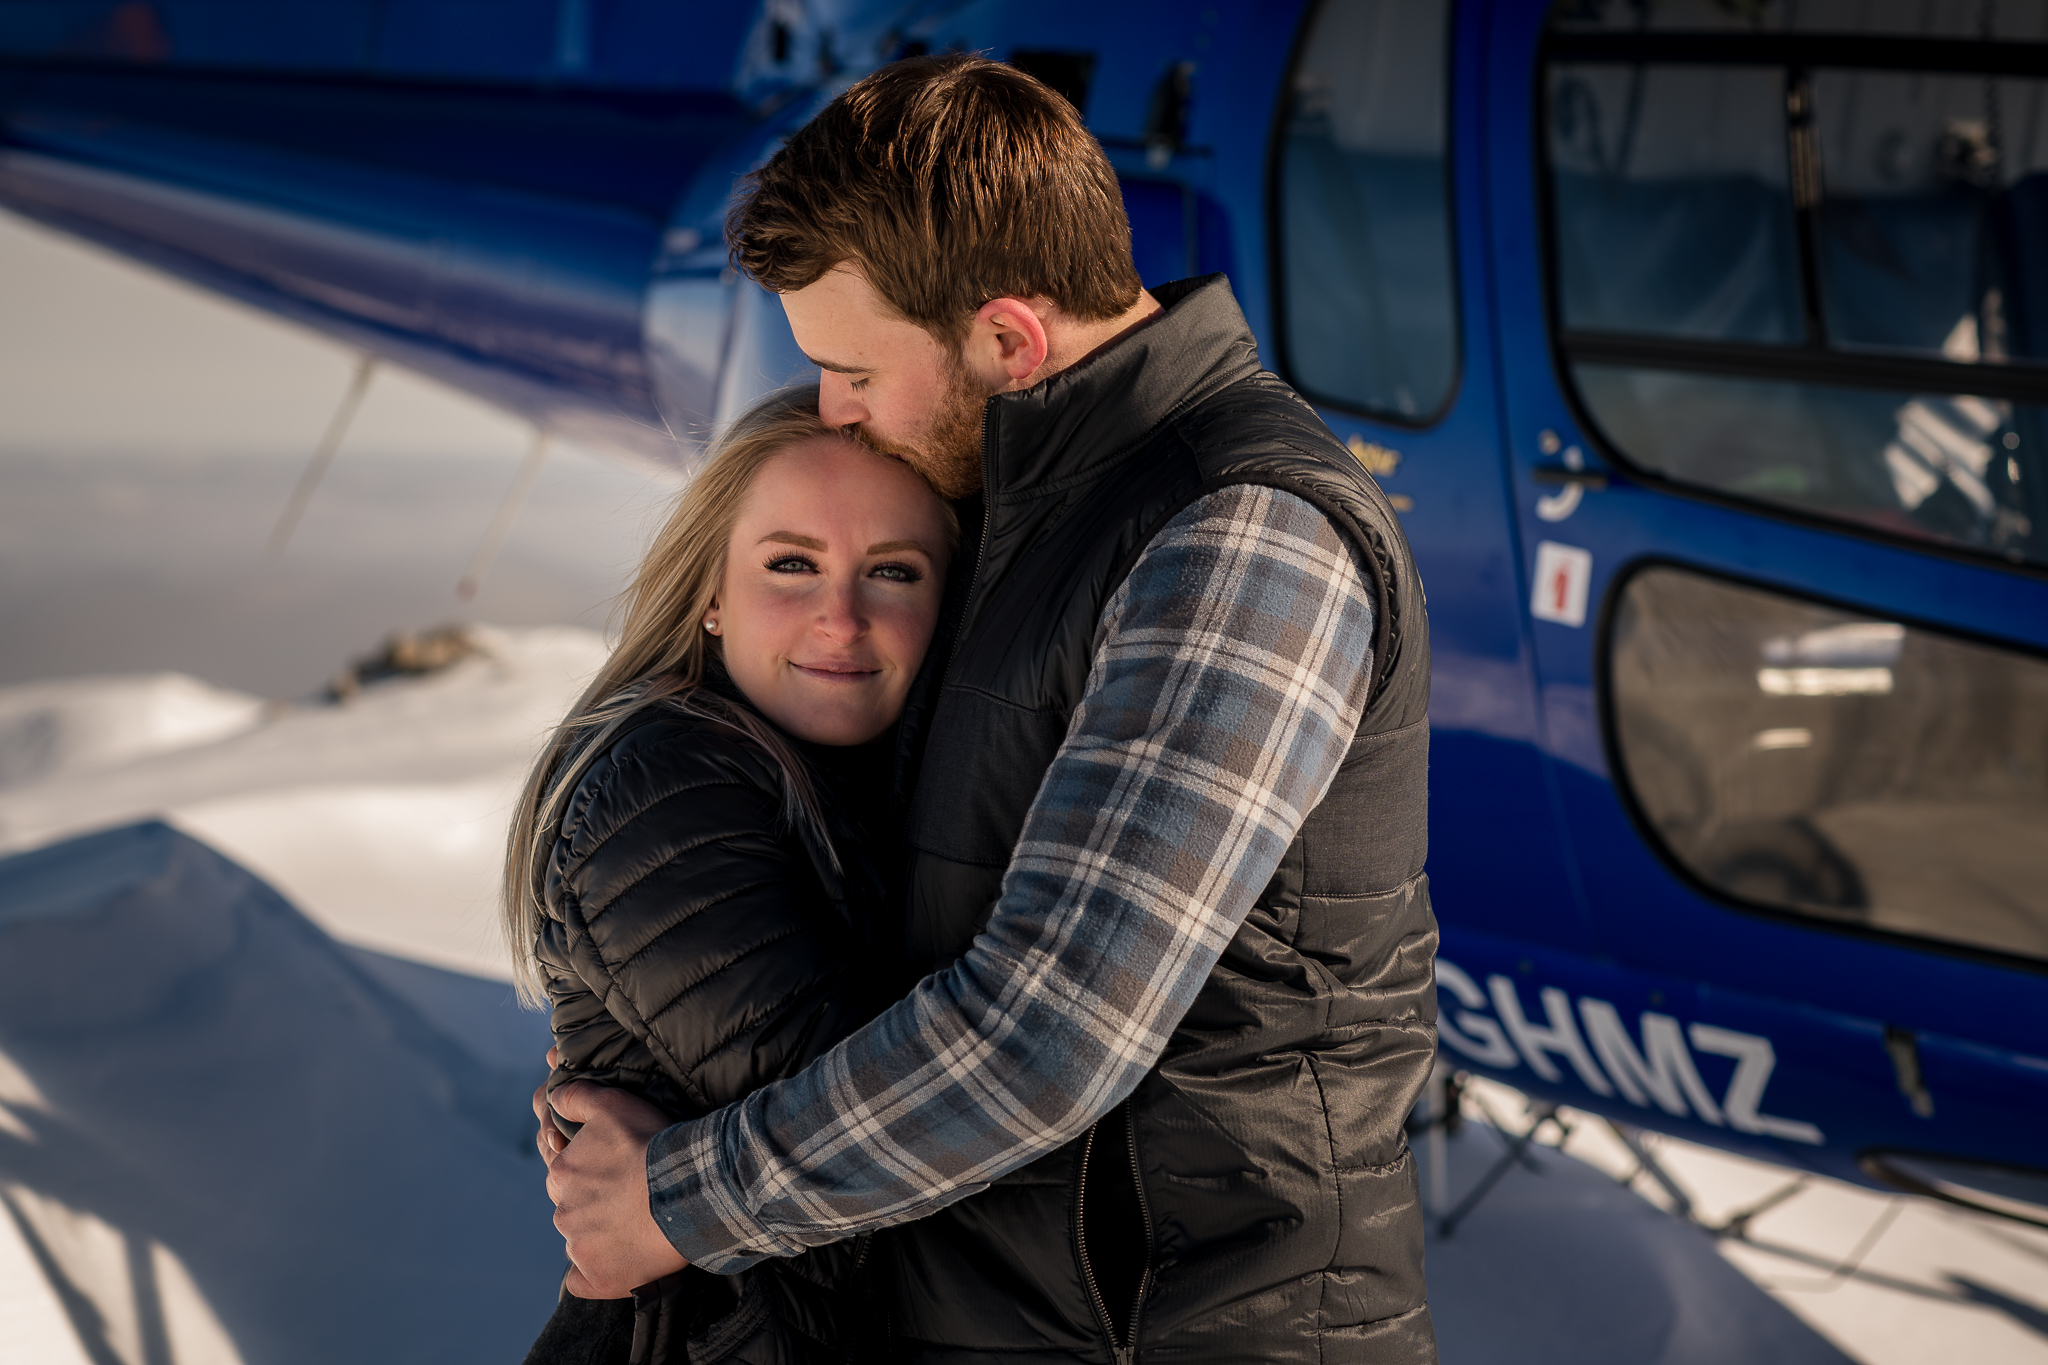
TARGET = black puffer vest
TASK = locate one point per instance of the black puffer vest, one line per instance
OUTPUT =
(695, 947)
(1254, 1199)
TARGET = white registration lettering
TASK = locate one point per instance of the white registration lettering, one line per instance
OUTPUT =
(1561, 1037)
(1475, 1035)
(1661, 1072)
(1755, 1059)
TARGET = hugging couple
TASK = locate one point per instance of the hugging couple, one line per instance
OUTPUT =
(981, 899)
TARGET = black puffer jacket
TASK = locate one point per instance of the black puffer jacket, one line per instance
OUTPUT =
(695, 947)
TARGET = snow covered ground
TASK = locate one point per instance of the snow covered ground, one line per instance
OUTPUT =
(228, 1137)
(263, 1085)
(382, 818)
(239, 1125)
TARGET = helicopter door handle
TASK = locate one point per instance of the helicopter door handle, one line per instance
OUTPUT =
(1571, 485)
(1571, 478)
(1558, 475)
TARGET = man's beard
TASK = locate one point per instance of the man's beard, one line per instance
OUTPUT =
(948, 451)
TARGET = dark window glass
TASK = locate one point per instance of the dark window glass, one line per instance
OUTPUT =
(1835, 765)
(1673, 212)
(1367, 303)
(2024, 19)
(1821, 286)
(1933, 230)
(1947, 467)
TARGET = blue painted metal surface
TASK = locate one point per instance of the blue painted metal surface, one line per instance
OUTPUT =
(524, 197)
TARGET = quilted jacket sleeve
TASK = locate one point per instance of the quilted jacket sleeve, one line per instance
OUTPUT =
(690, 931)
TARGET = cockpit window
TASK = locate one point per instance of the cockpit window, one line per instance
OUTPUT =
(1835, 765)
(1807, 262)
(1367, 308)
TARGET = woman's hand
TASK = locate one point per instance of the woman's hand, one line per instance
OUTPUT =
(599, 1184)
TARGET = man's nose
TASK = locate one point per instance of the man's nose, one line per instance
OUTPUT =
(837, 406)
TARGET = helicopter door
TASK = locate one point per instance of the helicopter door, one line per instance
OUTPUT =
(1381, 320)
(1774, 332)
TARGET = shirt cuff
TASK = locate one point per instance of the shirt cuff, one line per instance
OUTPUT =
(696, 1201)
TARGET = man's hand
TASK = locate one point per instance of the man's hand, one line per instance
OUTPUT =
(599, 1184)
(549, 1138)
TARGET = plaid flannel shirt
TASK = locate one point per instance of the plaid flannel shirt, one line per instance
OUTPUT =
(1229, 674)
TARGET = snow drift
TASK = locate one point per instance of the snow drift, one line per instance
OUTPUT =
(382, 818)
(225, 1136)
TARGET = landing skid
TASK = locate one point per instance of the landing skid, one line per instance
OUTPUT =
(1449, 1093)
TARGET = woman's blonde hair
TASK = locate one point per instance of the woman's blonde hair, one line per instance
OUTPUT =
(660, 659)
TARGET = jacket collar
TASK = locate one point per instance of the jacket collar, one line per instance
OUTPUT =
(1039, 439)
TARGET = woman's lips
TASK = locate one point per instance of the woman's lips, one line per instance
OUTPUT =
(836, 673)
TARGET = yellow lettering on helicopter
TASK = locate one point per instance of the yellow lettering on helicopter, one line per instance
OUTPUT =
(1378, 460)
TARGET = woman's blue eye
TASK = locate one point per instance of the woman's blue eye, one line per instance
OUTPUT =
(790, 564)
(900, 573)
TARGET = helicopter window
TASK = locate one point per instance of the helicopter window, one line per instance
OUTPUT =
(1367, 306)
(1925, 206)
(2025, 19)
(1673, 206)
(1855, 770)
(1807, 263)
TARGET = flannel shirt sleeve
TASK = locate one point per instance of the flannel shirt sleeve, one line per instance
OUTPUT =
(1229, 674)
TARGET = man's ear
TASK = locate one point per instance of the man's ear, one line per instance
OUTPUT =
(1007, 342)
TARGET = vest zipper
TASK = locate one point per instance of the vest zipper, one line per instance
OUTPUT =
(1117, 1352)
(988, 521)
(1124, 1353)
(1144, 1221)
(860, 1261)
(860, 1251)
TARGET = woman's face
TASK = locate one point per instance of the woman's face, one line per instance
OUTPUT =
(831, 589)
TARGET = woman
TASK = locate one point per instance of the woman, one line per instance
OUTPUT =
(692, 881)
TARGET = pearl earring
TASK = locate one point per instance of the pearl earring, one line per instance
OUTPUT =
(711, 624)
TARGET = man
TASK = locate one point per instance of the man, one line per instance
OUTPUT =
(1164, 853)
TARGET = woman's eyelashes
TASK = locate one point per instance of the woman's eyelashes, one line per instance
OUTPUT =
(893, 571)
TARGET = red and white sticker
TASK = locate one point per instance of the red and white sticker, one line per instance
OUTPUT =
(1562, 575)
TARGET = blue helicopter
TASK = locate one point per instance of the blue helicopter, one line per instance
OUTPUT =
(1702, 344)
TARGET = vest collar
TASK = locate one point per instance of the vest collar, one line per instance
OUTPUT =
(1066, 429)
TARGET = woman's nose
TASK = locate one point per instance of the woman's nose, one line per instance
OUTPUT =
(837, 406)
(840, 616)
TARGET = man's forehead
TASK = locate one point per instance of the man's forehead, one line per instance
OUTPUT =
(841, 293)
(843, 325)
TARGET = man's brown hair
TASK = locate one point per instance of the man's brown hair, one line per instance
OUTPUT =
(949, 181)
